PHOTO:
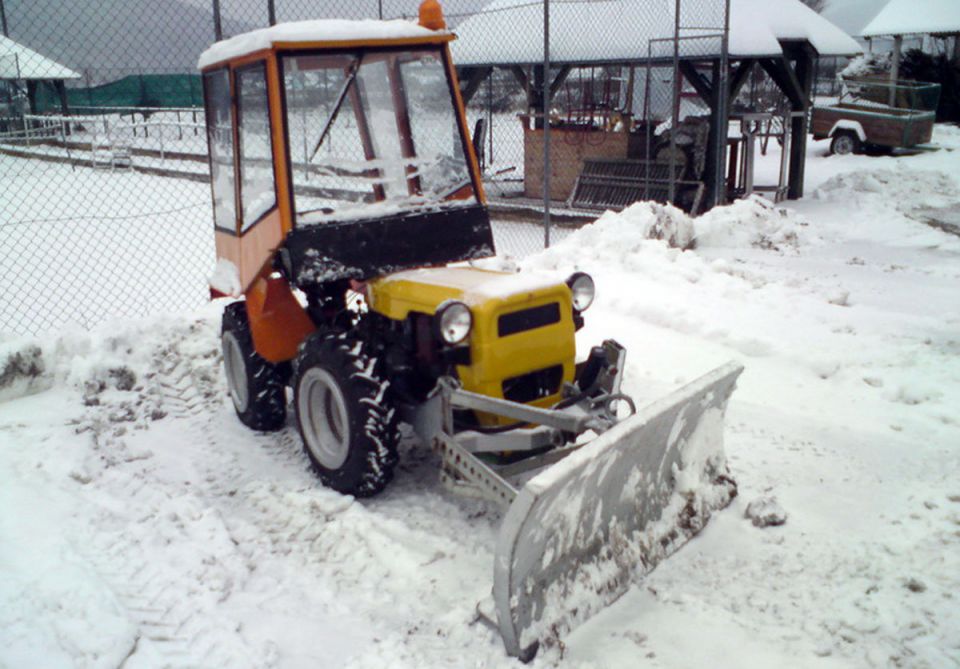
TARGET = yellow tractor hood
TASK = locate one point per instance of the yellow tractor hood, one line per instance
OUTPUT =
(423, 290)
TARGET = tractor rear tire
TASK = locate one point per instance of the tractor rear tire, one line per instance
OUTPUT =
(256, 386)
(344, 413)
(844, 143)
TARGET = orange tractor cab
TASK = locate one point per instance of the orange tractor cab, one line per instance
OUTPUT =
(347, 200)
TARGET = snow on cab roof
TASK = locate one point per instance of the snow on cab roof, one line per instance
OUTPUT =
(915, 17)
(620, 30)
(20, 62)
(325, 30)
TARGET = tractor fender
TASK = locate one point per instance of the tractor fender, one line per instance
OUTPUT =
(847, 124)
(278, 322)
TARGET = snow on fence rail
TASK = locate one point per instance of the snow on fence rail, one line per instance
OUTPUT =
(162, 136)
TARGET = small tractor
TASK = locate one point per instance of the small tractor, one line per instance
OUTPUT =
(347, 203)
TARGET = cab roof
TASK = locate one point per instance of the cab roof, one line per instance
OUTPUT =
(322, 33)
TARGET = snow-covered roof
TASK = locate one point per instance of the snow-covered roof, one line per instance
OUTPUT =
(325, 30)
(915, 17)
(20, 62)
(785, 20)
(510, 31)
(852, 16)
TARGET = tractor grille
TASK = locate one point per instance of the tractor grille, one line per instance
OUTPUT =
(528, 319)
(534, 385)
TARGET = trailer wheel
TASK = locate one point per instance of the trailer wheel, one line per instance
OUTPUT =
(845, 143)
(256, 386)
(348, 427)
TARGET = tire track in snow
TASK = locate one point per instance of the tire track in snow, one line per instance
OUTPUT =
(172, 609)
(247, 515)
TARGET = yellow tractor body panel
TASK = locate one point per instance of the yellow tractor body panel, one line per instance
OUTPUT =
(423, 290)
(495, 358)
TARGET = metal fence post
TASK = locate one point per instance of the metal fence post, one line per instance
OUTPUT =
(719, 195)
(546, 123)
(675, 111)
(217, 27)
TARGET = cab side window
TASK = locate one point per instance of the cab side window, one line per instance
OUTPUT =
(257, 186)
(216, 86)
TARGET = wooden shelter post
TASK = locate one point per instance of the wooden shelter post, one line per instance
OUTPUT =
(61, 89)
(709, 91)
(895, 68)
(535, 96)
(805, 67)
(471, 78)
(534, 89)
(714, 175)
(32, 96)
(793, 75)
(739, 76)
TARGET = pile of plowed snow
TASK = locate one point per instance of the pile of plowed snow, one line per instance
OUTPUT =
(726, 297)
(899, 189)
(753, 221)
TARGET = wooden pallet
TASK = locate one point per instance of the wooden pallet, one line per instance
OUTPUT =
(615, 184)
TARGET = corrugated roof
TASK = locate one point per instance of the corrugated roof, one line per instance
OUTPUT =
(511, 31)
(915, 17)
(20, 62)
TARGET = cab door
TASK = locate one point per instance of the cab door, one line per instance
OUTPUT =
(243, 171)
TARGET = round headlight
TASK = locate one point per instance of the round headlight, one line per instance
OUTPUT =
(583, 289)
(454, 321)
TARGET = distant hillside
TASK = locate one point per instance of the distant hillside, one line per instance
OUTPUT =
(106, 39)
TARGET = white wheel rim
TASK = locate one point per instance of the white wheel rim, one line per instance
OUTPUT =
(844, 145)
(236, 369)
(323, 417)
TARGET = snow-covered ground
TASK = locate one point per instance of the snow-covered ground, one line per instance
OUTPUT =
(143, 526)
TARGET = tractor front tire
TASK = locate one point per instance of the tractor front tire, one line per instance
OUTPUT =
(346, 421)
(256, 386)
(844, 143)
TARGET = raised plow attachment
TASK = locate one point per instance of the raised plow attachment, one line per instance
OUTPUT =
(584, 520)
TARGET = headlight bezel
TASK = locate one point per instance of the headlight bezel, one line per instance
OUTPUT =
(442, 327)
(582, 285)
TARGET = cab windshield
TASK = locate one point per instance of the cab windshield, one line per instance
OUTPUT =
(372, 134)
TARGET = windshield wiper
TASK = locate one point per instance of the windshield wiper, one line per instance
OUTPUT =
(351, 77)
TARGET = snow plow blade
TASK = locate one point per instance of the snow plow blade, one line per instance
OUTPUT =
(579, 532)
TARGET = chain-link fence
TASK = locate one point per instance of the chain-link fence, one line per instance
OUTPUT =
(105, 201)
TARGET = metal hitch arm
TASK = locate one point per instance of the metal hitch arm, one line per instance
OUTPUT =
(464, 399)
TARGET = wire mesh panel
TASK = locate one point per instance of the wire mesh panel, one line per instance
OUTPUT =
(104, 167)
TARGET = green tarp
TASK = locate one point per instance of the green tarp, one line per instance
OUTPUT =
(136, 90)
